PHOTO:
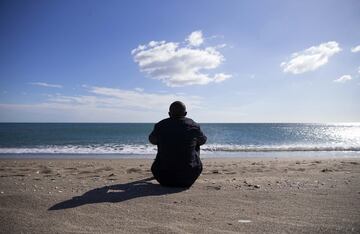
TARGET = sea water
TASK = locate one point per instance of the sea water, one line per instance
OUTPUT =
(224, 139)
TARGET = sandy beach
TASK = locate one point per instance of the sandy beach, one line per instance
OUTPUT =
(232, 195)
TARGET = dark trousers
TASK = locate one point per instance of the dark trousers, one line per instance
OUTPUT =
(176, 178)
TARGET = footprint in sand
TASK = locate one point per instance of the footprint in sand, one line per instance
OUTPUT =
(210, 187)
(230, 172)
(103, 169)
(133, 170)
(85, 172)
(46, 170)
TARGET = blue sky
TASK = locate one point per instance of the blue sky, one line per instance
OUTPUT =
(229, 61)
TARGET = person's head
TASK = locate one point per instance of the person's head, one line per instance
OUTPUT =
(177, 109)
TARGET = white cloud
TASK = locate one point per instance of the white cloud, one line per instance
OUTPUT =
(343, 79)
(311, 58)
(139, 89)
(177, 65)
(355, 49)
(43, 84)
(195, 38)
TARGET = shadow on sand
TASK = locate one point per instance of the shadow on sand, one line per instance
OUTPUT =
(117, 193)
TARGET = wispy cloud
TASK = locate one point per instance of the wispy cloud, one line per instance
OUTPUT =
(141, 99)
(103, 97)
(310, 59)
(180, 65)
(107, 104)
(355, 49)
(343, 79)
(43, 84)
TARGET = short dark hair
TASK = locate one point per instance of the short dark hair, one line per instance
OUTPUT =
(177, 109)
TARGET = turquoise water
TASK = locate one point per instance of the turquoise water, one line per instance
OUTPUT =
(132, 138)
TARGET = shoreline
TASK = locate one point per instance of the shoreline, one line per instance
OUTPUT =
(220, 155)
(248, 195)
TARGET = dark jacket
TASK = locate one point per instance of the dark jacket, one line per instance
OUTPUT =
(178, 141)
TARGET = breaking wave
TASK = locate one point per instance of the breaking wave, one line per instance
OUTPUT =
(147, 149)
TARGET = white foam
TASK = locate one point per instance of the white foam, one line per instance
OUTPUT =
(89, 149)
(147, 149)
(276, 148)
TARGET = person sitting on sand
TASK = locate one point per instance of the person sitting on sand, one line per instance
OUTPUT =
(178, 140)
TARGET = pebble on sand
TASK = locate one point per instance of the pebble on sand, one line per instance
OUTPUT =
(326, 170)
(244, 221)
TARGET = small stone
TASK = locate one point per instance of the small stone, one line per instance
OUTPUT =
(2, 192)
(215, 171)
(256, 186)
(326, 170)
(244, 221)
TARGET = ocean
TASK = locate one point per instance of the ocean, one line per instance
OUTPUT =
(131, 139)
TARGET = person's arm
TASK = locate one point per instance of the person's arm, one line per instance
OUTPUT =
(201, 138)
(153, 136)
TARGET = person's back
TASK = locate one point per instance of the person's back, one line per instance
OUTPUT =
(178, 139)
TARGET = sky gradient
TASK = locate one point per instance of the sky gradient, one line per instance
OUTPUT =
(229, 61)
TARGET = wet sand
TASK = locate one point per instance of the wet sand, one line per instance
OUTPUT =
(231, 196)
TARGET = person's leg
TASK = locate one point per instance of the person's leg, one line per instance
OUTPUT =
(176, 179)
(190, 178)
(161, 176)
